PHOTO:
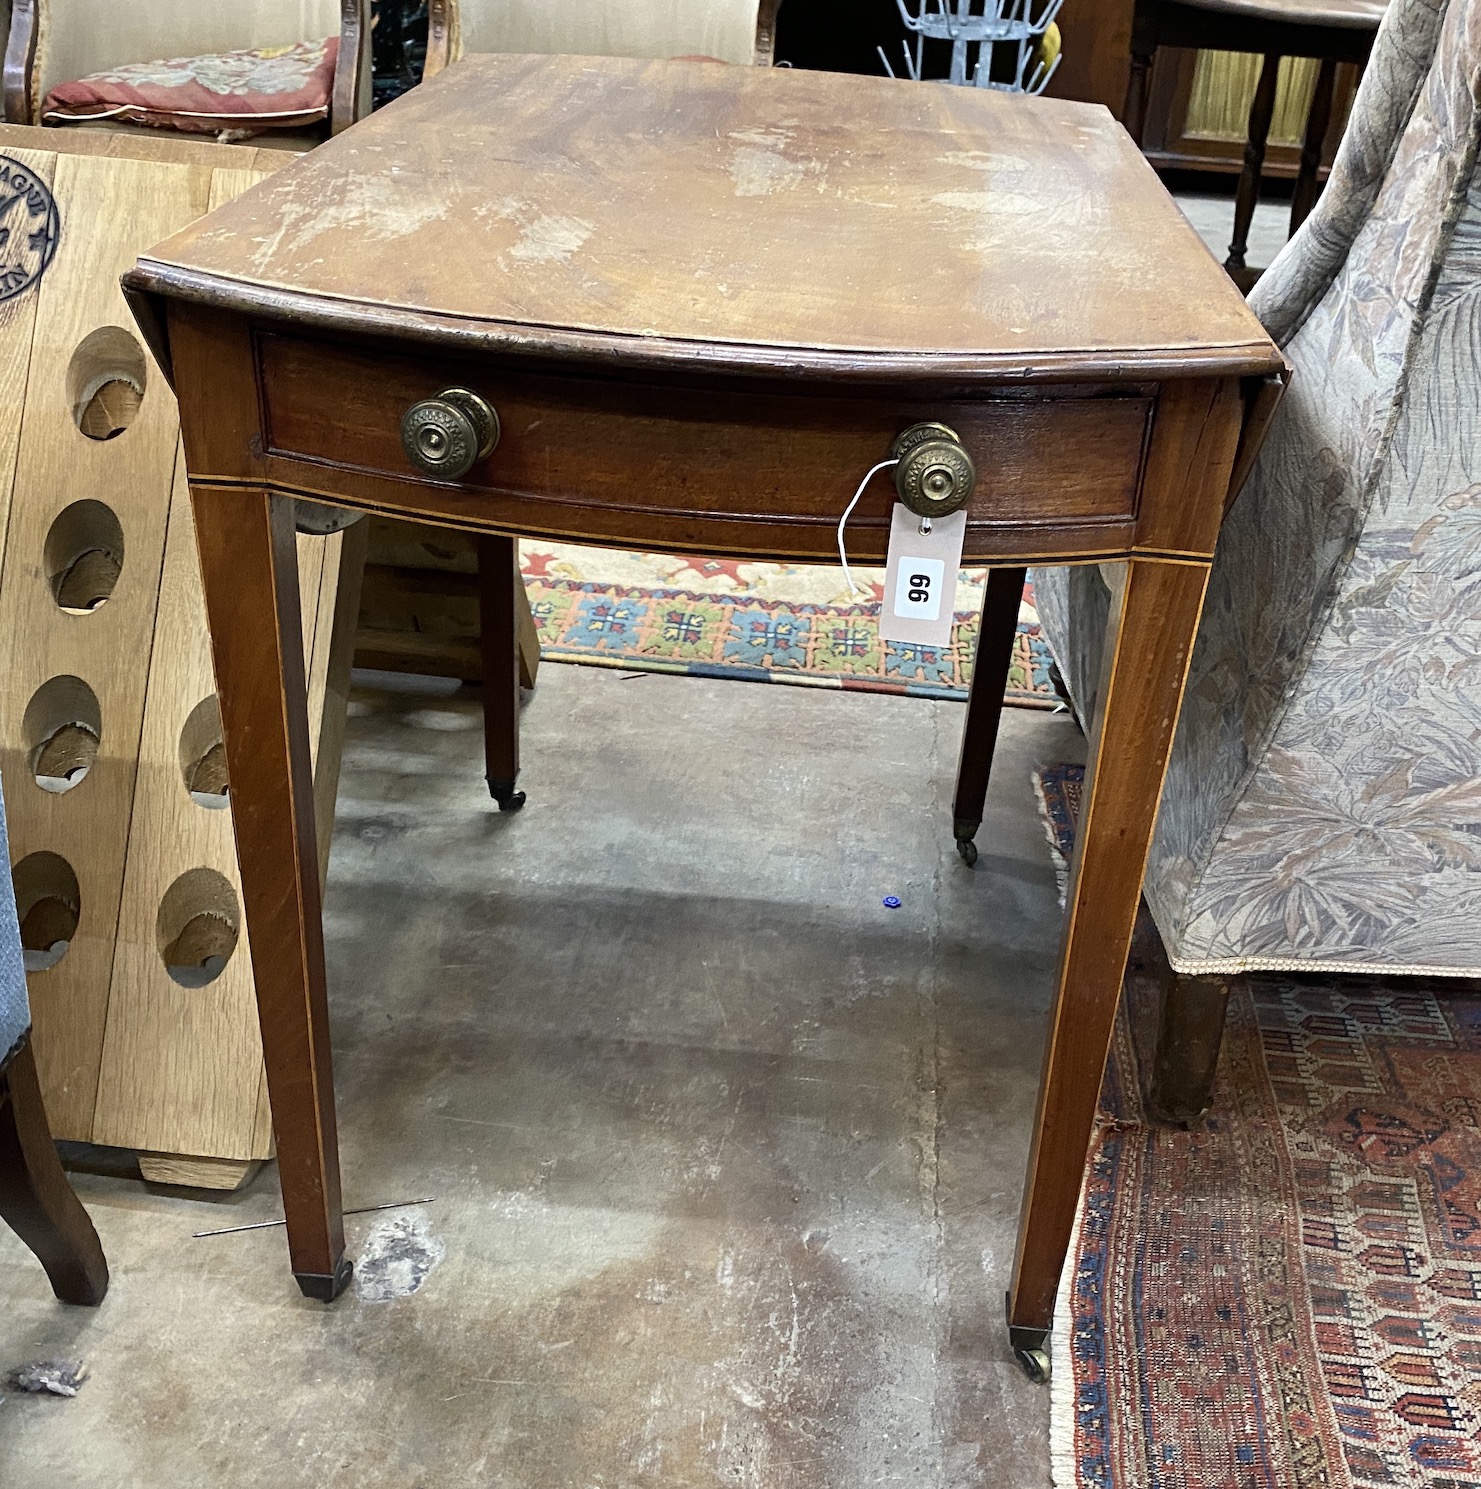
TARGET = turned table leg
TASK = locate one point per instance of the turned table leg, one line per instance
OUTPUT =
(249, 570)
(1143, 674)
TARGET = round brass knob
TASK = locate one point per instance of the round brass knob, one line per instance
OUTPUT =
(935, 476)
(444, 436)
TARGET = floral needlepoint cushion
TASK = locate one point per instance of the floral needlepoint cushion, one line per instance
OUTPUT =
(236, 94)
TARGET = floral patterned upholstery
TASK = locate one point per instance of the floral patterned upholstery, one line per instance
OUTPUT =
(15, 1011)
(242, 92)
(1323, 803)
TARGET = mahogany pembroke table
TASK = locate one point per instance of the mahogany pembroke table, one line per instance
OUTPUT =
(686, 307)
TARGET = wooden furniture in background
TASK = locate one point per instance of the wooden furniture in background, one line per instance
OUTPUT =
(1197, 98)
(1330, 31)
(742, 31)
(420, 605)
(54, 41)
(1198, 111)
(1096, 57)
(107, 680)
(738, 420)
(36, 1201)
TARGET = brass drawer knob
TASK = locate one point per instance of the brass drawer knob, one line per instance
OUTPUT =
(935, 476)
(444, 436)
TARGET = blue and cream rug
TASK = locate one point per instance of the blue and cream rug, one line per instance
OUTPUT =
(763, 622)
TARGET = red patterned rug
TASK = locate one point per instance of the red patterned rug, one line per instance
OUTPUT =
(1289, 1296)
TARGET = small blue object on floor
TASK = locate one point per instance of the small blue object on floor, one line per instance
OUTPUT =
(891, 902)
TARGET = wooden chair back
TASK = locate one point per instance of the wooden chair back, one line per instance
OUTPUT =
(55, 41)
(742, 31)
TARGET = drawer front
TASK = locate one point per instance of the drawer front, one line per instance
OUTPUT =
(625, 460)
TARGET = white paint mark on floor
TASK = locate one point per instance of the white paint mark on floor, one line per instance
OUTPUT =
(396, 1259)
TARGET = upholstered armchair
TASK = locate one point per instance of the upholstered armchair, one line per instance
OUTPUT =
(742, 31)
(1322, 810)
(36, 1200)
(51, 42)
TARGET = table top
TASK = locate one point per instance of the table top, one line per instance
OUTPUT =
(1354, 15)
(740, 217)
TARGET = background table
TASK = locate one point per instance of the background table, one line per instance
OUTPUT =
(704, 301)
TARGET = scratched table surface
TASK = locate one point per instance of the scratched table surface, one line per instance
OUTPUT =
(730, 207)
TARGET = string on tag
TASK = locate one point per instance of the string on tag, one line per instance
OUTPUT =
(848, 512)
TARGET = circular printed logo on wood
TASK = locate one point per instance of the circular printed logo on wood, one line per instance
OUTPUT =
(29, 228)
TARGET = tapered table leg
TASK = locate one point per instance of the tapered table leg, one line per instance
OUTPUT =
(1000, 604)
(1143, 674)
(498, 608)
(249, 570)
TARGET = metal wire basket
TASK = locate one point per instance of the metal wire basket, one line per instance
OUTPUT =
(976, 29)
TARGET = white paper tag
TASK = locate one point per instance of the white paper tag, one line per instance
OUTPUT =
(920, 578)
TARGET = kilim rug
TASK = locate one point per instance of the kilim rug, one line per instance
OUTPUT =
(762, 622)
(1289, 1296)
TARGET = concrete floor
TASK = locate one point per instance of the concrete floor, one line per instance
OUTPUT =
(1213, 219)
(726, 1156)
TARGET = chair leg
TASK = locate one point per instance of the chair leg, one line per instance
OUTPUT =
(1262, 110)
(1138, 84)
(1188, 1040)
(985, 704)
(36, 1200)
(498, 577)
(1179, 1022)
(1303, 198)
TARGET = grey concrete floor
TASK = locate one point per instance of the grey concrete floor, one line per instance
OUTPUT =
(726, 1156)
(1212, 217)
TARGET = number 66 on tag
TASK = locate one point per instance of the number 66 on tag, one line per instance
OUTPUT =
(920, 579)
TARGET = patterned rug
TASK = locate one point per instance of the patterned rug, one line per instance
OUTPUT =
(761, 622)
(1291, 1295)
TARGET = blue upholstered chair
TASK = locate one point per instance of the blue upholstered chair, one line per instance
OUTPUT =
(36, 1200)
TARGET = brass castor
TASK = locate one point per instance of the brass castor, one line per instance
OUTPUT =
(1030, 1346)
(968, 851)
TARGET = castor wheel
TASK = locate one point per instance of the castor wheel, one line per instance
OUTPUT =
(1030, 1346)
(964, 829)
(508, 798)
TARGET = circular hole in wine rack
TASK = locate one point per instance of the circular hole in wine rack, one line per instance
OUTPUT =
(197, 927)
(49, 902)
(62, 726)
(83, 556)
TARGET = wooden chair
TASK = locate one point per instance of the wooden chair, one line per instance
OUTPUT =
(1331, 30)
(739, 31)
(36, 1200)
(54, 41)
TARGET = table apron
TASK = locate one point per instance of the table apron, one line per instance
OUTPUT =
(638, 462)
